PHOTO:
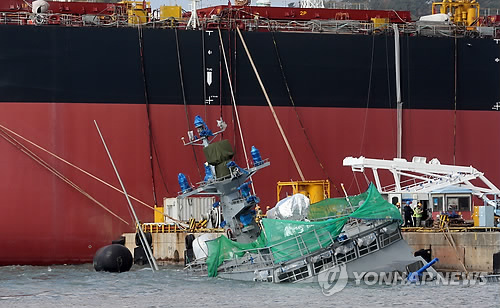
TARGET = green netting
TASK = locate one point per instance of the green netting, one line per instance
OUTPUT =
(279, 234)
(223, 248)
(376, 207)
(315, 235)
(336, 207)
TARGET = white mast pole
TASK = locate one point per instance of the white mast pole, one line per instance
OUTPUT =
(399, 104)
(149, 253)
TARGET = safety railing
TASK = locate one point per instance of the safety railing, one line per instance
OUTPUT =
(197, 226)
(259, 24)
(291, 255)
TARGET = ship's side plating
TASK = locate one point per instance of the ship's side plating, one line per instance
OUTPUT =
(143, 85)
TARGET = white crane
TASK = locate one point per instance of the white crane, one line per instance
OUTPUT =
(423, 177)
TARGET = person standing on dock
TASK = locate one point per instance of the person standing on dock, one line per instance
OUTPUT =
(417, 214)
(408, 212)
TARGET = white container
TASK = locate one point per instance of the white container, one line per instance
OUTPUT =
(263, 3)
(438, 18)
(187, 208)
(486, 216)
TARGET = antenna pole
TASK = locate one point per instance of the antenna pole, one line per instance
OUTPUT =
(149, 253)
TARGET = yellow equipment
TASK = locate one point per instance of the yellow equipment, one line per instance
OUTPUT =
(380, 23)
(167, 11)
(475, 216)
(314, 190)
(159, 218)
(461, 12)
(138, 11)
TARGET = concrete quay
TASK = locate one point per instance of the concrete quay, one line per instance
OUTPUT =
(167, 247)
(473, 249)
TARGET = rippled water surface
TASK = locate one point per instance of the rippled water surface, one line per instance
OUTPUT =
(81, 286)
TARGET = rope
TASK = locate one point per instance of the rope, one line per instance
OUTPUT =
(368, 96)
(4, 134)
(366, 178)
(146, 99)
(5, 129)
(389, 81)
(297, 114)
(455, 105)
(184, 95)
(271, 106)
(409, 95)
(356, 180)
(204, 71)
(152, 140)
(234, 105)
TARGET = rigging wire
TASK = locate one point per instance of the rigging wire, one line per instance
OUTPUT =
(13, 141)
(234, 106)
(297, 114)
(290, 151)
(220, 81)
(152, 146)
(455, 106)
(389, 82)
(232, 73)
(408, 102)
(368, 95)
(356, 179)
(367, 105)
(6, 131)
(179, 62)
(204, 72)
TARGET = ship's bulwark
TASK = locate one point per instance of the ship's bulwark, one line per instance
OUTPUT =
(56, 81)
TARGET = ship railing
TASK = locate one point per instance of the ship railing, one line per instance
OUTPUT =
(331, 26)
(14, 18)
(346, 252)
(259, 24)
(413, 184)
(290, 252)
(271, 256)
(67, 20)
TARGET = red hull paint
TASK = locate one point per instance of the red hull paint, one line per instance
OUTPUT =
(44, 221)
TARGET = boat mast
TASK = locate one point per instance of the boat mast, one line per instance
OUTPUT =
(399, 104)
(193, 22)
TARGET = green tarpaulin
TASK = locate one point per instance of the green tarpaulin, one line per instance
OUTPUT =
(315, 235)
(368, 205)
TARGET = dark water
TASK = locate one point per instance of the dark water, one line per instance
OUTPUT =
(81, 286)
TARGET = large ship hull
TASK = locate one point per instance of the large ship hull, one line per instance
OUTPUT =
(144, 87)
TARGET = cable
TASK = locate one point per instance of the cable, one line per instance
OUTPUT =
(179, 62)
(368, 96)
(297, 114)
(7, 131)
(146, 99)
(4, 134)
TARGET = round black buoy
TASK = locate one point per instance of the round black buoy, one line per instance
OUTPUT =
(113, 258)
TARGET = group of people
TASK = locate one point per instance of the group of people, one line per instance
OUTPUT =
(259, 214)
(412, 217)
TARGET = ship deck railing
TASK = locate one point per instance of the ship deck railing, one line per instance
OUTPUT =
(256, 24)
(320, 255)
